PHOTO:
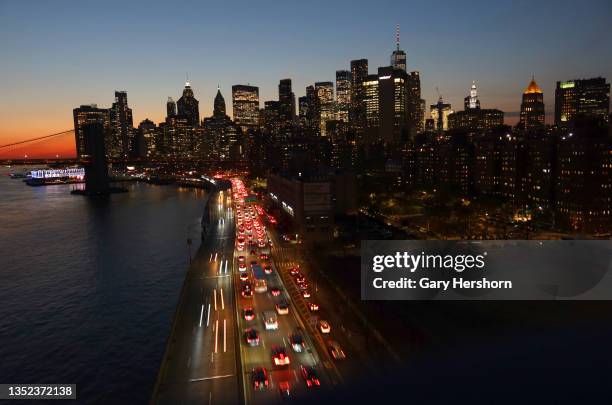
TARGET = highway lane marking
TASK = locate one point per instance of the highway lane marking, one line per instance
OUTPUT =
(214, 377)
(224, 338)
(216, 334)
(201, 314)
(210, 398)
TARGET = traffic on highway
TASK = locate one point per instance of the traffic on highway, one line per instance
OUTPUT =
(279, 357)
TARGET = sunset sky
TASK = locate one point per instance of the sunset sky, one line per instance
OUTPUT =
(57, 55)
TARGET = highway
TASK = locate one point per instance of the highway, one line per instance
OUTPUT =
(200, 363)
(261, 355)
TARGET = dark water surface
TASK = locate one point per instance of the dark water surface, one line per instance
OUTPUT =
(88, 287)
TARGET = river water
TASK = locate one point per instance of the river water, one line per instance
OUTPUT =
(88, 287)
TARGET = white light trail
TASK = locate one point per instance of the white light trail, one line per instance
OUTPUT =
(208, 315)
(216, 334)
(215, 296)
(201, 314)
(224, 338)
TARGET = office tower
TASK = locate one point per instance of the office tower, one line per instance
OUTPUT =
(398, 57)
(170, 107)
(87, 114)
(219, 104)
(357, 111)
(439, 113)
(343, 95)
(392, 104)
(371, 104)
(94, 157)
(178, 136)
(532, 107)
(581, 97)
(245, 103)
(188, 106)
(122, 127)
(471, 102)
(270, 117)
(147, 144)
(286, 101)
(415, 104)
(325, 104)
(473, 119)
(220, 130)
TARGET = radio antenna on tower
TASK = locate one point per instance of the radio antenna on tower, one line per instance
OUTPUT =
(397, 36)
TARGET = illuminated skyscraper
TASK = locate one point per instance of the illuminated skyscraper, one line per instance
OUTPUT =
(439, 113)
(471, 102)
(122, 126)
(188, 106)
(398, 57)
(581, 97)
(532, 107)
(371, 104)
(343, 95)
(357, 111)
(325, 104)
(245, 102)
(392, 104)
(219, 104)
(87, 114)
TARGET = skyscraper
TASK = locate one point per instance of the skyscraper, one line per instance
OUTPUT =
(219, 104)
(325, 104)
(439, 113)
(343, 95)
(398, 57)
(170, 107)
(415, 104)
(532, 107)
(371, 108)
(392, 104)
(188, 106)
(357, 111)
(245, 103)
(122, 126)
(471, 102)
(87, 114)
(286, 100)
(581, 97)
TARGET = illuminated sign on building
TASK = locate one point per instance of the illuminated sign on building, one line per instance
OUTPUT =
(567, 85)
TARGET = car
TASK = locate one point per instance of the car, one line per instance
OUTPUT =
(335, 350)
(252, 337)
(242, 267)
(297, 342)
(275, 291)
(248, 313)
(306, 294)
(264, 256)
(270, 320)
(246, 293)
(310, 376)
(282, 308)
(268, 269)
(294, 271)
(303, 286)
(261, 244)
(253, 252)
(324, 326)
(244, 276)
(280, 356)
(259, 377)
(300, 279)
(284, 389)
(240, 259)
(313, 307)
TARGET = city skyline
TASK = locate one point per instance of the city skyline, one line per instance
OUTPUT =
(450, 66)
